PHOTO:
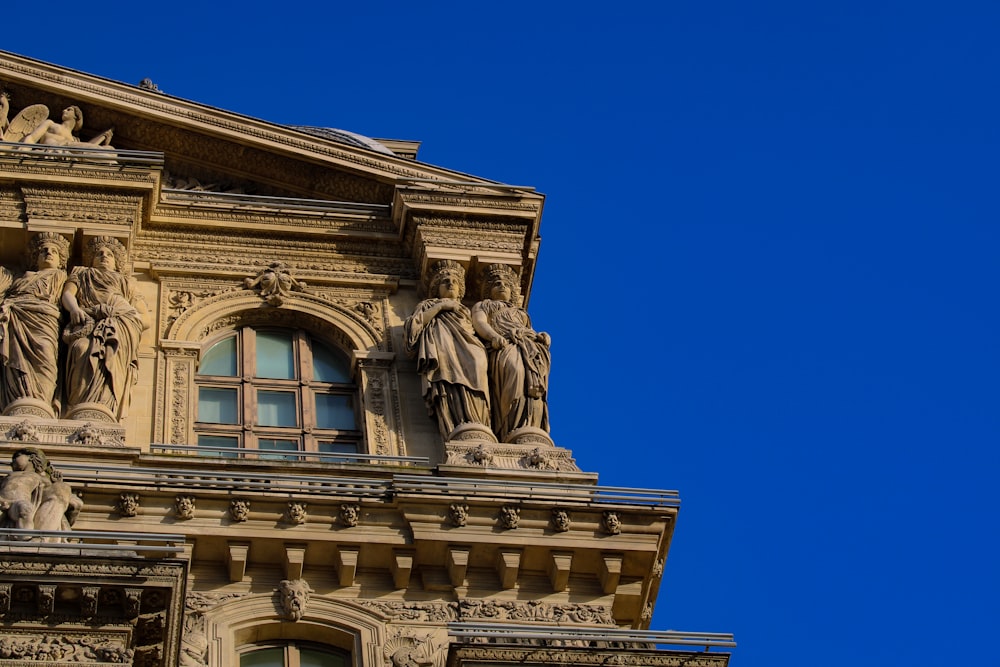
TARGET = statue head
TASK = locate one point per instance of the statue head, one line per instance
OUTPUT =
(294, 594)
(77, 115)
(501, 276)
(44, 241)
(97, 243)
(35, 458)
(442, 270)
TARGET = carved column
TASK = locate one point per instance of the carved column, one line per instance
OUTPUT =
(177, 394)
(377, 377)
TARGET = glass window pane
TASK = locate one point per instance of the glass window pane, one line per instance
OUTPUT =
(230, 442)
(309, 657)
(276, 408)
(217, 405)
(329, 366)
(220, 359)
(335, 411)
(265, 657)
(275, 356)
(339, 447)
(272, 444)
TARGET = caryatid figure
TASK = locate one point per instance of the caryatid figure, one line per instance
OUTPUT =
(29, 330)
(450, 358)
(107, 318)
(519, 357)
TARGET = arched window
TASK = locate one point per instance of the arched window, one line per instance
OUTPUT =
(275, 390)
(293, 654)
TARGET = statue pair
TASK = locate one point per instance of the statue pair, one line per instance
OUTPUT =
(483, 366)
(106, 317)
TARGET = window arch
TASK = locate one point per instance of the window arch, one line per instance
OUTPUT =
(265, 390)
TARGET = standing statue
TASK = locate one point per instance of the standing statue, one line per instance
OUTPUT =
(107, 318)
(519, 356)
(29, 330)
(450, 358)
(34, 497)
(64, 133)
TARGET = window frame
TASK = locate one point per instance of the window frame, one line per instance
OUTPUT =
(248, 432)
(291, 653)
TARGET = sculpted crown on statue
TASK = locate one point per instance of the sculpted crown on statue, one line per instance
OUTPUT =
(450, 358)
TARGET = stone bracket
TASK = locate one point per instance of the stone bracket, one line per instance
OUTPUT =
(401, 566)
(559, 567)
(236, 560)
(458, 564)
(508, 563)
(295, 560)
(610, 571)
(347, 563)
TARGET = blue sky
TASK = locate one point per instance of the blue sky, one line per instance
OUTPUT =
(769, 266)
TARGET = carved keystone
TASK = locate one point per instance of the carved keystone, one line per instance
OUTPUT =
(347, 563)
(401, 566)
(610, 571)
(559, 568)
(508, 563)
(295, 560)
(236, 559)
(458, 564)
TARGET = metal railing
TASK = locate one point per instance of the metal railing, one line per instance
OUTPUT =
(225, 480)
(281, 454)
(79, 154)
(562, 493)
(99, 540)
(500, 634)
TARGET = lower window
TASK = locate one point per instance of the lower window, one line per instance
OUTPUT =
(293, 654)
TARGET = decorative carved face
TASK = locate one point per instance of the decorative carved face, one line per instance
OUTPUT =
(560, 520)
(459, 514)
(184, 507)
(349, 514)
(294, 596)
(129, 504)
(450, 285)
(612, 522)
(239, 510)
(500, 291)
(296, 512)
(48, 256)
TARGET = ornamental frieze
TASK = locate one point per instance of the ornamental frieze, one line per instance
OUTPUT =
(492, 610)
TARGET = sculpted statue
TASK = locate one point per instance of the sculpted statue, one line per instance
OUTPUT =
(34, 497)
(64, 133)
(519, 356)
(29, 329)
(107, 318)
(450, 358)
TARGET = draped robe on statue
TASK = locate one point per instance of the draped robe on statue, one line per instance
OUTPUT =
(102, 367)
(519, 371)
(452, 362)
(29, 338)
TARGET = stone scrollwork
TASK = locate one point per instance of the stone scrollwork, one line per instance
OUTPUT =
(275, 283)
(406, 649)
(34, 497)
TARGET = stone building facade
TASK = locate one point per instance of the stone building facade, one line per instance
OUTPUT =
(271, 397)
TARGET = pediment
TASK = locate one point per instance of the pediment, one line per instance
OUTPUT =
(209, 149)
(214, 183)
